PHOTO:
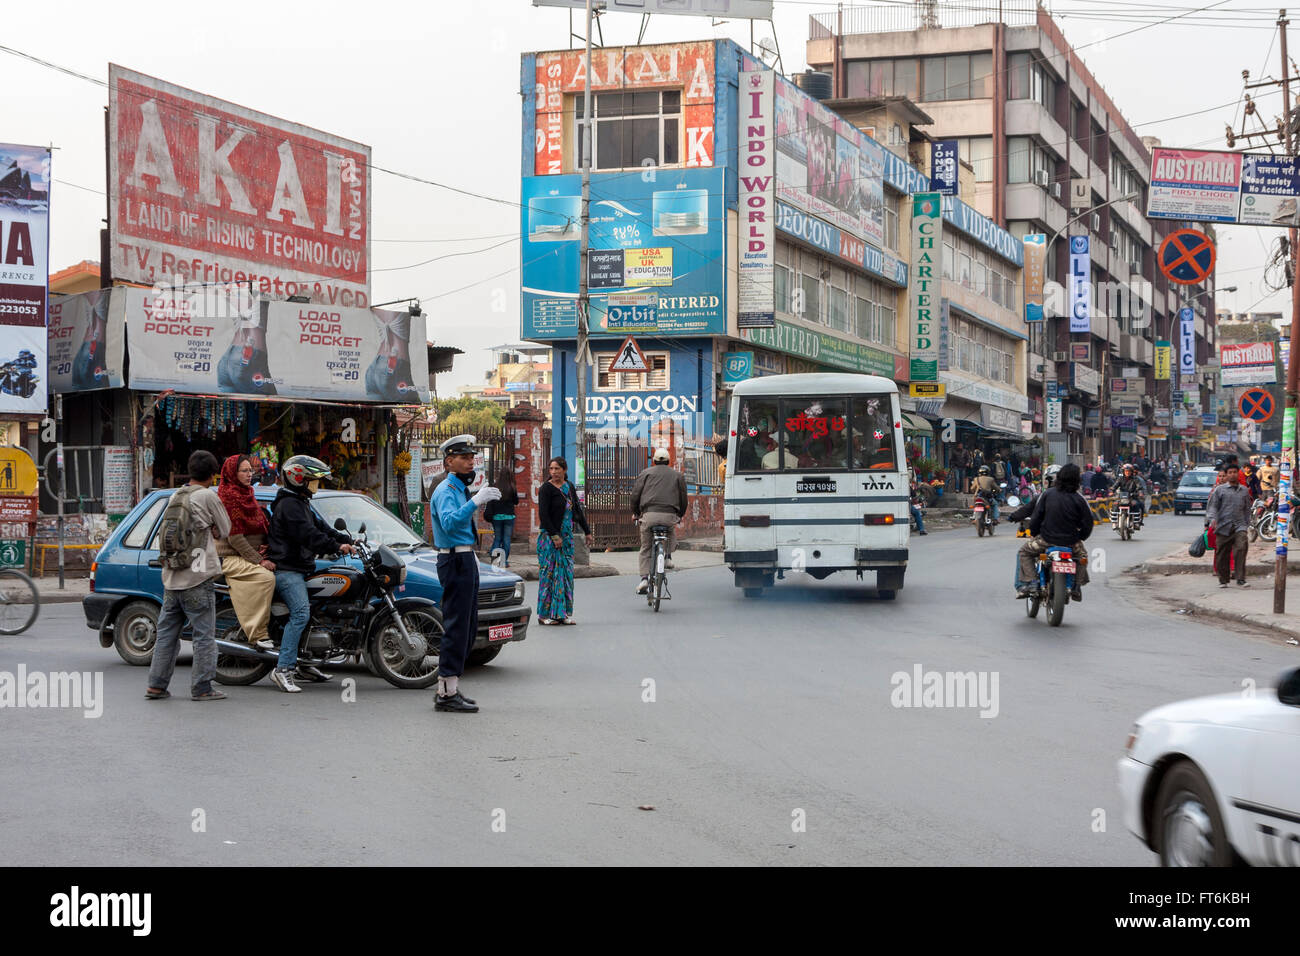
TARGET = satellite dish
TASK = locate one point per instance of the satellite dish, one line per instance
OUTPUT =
(767, 49)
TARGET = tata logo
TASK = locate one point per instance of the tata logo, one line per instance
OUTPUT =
(874, 483)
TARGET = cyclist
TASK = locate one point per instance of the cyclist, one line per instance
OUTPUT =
(658, 498)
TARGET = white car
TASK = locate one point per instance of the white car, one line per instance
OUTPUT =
(1215, 781)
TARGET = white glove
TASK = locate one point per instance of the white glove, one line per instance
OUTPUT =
(484, 495)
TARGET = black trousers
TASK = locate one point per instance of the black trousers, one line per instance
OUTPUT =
(458, 574)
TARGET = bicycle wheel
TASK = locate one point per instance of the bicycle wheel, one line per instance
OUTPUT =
(19, 602)
(653, 590)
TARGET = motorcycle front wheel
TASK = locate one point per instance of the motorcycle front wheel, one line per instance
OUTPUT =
(386, 658)
(1268, 526)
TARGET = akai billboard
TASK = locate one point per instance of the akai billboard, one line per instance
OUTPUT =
(643, 230)
(24, 275)
(681, 72)
(206, 191)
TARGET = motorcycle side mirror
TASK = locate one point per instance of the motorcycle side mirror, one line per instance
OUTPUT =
(340, 524)
(362, 529)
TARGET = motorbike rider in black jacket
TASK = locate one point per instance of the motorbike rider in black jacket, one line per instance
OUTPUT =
(1131, 484)
(1061, 517)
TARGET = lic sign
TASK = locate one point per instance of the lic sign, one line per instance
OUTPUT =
(737, 367)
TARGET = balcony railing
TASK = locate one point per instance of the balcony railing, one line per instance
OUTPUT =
(904, 18)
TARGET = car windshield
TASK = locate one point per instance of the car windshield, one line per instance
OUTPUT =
(382, 527)
(1198, 480)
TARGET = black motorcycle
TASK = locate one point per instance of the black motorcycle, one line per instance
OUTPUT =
(353, 615)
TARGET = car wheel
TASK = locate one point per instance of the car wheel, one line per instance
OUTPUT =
(1188, 827)
(135, 629)
(484, 655)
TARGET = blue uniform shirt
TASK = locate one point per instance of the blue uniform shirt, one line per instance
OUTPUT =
(452, 514)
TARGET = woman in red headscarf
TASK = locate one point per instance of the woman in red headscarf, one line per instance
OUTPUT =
(250, 576)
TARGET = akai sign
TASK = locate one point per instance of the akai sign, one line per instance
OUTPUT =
(757, 173)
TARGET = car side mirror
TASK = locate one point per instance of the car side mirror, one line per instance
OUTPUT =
(340, 524)
(1288, 687)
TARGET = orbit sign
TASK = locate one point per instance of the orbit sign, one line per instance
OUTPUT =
(1186, 257)
(1256, 405)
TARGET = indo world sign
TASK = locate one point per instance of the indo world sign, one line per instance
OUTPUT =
(757, 304)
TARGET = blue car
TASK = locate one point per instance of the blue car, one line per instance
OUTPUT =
(126, 589)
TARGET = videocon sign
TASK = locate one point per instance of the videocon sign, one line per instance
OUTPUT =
(923, 292)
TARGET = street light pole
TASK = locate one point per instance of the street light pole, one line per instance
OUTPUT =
(582, 358)
(1051, 339)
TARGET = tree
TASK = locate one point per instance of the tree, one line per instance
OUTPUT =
(470, 415)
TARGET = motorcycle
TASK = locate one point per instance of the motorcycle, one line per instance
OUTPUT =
(1125, 517)
(1056, 578)
(983, 515)
(1266, 525)
(1260, 513)
(353, 615)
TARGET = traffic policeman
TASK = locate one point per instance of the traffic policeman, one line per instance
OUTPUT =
(452, 511)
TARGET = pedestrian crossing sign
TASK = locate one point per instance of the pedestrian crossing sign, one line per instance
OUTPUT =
(629, 358)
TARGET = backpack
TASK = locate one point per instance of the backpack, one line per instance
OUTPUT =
(999, 470)
(178, 538)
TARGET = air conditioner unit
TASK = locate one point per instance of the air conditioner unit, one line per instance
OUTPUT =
(1056, 190)
(1040, 177)
(1096, 222)
(1060, 356)
(1135, 267)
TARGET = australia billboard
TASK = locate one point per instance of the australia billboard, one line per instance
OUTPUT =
(1206, 186)
(24, 274)
(204, 191)
(661, 233)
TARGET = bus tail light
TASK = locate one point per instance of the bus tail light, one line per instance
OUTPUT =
(877, 519)
(756, 521)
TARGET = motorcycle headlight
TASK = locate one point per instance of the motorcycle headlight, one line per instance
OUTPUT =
(520, 592)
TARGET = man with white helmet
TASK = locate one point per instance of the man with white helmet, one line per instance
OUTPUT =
(658, 498)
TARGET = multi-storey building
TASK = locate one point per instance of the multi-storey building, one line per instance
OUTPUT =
(1051, 154)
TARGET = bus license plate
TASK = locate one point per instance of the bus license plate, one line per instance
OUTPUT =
(1065, 567)
(501, 632)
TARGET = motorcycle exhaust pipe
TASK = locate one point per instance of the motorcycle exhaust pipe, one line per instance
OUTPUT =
(237, 649)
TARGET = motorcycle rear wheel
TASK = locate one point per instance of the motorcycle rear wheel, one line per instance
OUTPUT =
(979, 527)
(235, 671)
(1060, 595)
(385, 657)
(1268, 526)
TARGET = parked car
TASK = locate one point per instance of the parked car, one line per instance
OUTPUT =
(1216, 780)
(1194, 490)
(126, 578)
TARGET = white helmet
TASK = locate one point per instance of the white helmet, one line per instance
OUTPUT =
(1049, 476)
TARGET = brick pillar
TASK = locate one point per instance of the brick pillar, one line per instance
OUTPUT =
(524, 426)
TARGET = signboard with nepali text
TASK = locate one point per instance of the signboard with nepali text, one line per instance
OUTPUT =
(24, 274)
(212, 342)
(204, 191)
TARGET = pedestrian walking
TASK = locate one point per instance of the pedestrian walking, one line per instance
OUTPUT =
(658, 498)
(559, 511)
(194, 517)
(452, 513)
(1227, 513)
(503, 514)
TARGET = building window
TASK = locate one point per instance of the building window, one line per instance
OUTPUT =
(781, 288)
(1026, 159)
(1030, 80)
(837, 309)
(812, 308)
(891, 221)
(978, 152)
(655, 380)
(633, 128)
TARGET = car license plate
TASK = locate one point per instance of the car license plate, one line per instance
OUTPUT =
(1197, 506)
(501, 632)
(1065, 567)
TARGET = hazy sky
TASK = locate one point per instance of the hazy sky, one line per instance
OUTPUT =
(433, 89)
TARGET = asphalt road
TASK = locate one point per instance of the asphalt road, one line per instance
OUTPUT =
(762, 708)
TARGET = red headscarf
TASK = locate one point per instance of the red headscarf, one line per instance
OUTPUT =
(246, 515)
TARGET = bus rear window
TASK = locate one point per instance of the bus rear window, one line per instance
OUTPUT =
(809, 433)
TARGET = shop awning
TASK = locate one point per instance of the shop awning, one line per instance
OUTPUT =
(915, 423)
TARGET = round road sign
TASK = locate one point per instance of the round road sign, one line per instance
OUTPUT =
(1186, 257)
(1256, 405)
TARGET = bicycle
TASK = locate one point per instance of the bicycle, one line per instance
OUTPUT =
(658, 590)
(20, 602)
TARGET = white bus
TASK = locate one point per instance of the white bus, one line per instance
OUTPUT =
(816, 480)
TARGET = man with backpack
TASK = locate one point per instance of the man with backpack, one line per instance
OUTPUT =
(192, 520)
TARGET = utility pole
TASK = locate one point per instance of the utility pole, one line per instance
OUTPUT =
(1292, 378)
(582, 360)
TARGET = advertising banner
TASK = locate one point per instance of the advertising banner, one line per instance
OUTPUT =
(836, 242)
(239, 345)
(86, 341)
(1186, 344)
(119, 479)
(684, 70)
(1035, 272)
(205, 191)
(1270, 190)
(757, 304)
(943, 167)
(24, 275)
(923, 292)
(1248, 188)
(822, 348)
(1163, 360)
(669, 229)
(827, 167)
(1080, 285)
(1248, 364)
(1054, 417)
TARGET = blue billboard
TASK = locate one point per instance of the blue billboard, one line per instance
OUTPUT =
(655, 231)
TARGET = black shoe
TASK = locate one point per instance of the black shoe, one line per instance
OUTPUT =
(457, 703)
(923, 532)
(312, 675)
(1022, 593)
(1076, 593)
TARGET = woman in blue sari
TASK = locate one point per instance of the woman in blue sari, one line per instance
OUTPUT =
(559, 510)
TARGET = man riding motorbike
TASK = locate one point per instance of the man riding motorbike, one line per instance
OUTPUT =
(986, 487)
(1061, 517)
(297, 536)
(1131, 484)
